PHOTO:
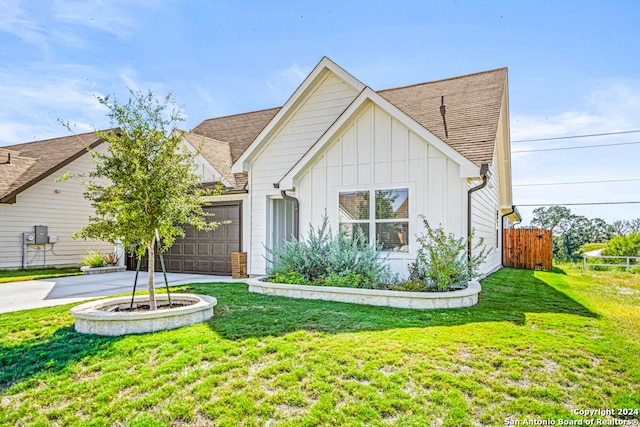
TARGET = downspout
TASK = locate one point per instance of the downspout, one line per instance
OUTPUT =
(484, 169)
(296, 212)
(513, 209)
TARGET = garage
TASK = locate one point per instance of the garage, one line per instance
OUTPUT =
(205, 252)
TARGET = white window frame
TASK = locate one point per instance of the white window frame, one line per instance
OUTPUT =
(372, 221)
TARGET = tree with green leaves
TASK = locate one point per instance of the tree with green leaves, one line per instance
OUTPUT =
(145, 183)
(570, 231)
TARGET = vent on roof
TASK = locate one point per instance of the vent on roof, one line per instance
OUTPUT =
(443, 111)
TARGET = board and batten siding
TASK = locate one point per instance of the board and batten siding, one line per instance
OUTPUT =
(312, 118)
(376, 151)
(64, 212)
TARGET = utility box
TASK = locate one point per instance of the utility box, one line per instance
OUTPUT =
(42, 235)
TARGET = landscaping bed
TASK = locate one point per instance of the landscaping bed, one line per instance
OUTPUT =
(381, 297)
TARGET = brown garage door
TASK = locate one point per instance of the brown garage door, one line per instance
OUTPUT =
(206, 252)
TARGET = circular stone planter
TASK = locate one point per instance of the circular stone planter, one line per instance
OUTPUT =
(400, 299)
(95, 318)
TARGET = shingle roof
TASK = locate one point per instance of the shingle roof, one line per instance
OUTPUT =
(473, 104)
(238, 130)
(472, 101)
(216, 152)
(33, 161)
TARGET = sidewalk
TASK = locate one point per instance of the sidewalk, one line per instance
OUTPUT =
(16, 296)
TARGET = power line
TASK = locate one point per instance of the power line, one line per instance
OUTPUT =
(576, 182)
(576, 136)
(576, 204)
(576, 148)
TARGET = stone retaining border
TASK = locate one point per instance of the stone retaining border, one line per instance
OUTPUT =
(92, 319)
(400, 299)
(102, 270)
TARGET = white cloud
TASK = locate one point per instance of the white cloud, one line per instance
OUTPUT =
(127, 75)
(108, 16)
(284, 82)
(613, 105)
(14, 19)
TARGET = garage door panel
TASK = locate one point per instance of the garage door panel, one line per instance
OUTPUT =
(174, 264)
(188, 266)
(203, 248)
(218, 249)
(207, 251)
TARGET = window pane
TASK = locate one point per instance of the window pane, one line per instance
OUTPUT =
(354, 205)
(394, 236)
(392, 204)
(353, 229)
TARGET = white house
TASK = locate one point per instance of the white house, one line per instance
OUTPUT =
(31, 196)
(370, 160)
(439, 150)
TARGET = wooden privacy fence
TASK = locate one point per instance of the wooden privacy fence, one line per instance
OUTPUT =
(530, 248)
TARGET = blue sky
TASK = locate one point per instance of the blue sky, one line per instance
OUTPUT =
(573, 70)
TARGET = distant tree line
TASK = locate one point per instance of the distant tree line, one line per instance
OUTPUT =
(571, 232)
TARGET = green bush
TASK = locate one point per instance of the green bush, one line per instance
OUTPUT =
(345, 279)
(628, 245)
(326, 257)
(442, 263)
(291, 278)
(93, 259)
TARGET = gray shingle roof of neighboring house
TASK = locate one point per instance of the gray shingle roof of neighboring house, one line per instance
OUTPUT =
(34, 161)
(473, 104)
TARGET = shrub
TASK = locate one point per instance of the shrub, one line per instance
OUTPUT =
(628, 245)
(291, 278)
(334, 258)
(93, 259)
(442, 263)
(344, 279)
(111, 258)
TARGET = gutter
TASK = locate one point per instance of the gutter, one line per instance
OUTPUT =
(513, 209)
(484, 174)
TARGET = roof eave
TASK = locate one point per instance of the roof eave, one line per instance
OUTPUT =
(11, 197)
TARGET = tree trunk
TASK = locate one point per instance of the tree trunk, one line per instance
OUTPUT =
(152, 289)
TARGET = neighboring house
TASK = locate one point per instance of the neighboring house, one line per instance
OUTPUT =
(30, 196)
(369, 161)
(374, 161)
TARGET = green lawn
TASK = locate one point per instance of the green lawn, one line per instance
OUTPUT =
(539, 345)
(36, 273)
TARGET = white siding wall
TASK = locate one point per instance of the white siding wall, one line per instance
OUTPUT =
(64, 213)
(303, 129)
(376, 151)
(485, 206)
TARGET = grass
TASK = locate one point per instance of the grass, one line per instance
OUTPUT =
(36, 273)
(538, 345)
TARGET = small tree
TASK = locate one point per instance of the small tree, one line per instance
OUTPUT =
(145, 183)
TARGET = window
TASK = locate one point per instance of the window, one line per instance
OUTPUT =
(387, 217)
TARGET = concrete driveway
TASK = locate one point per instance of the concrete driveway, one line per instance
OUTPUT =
(17, 296)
